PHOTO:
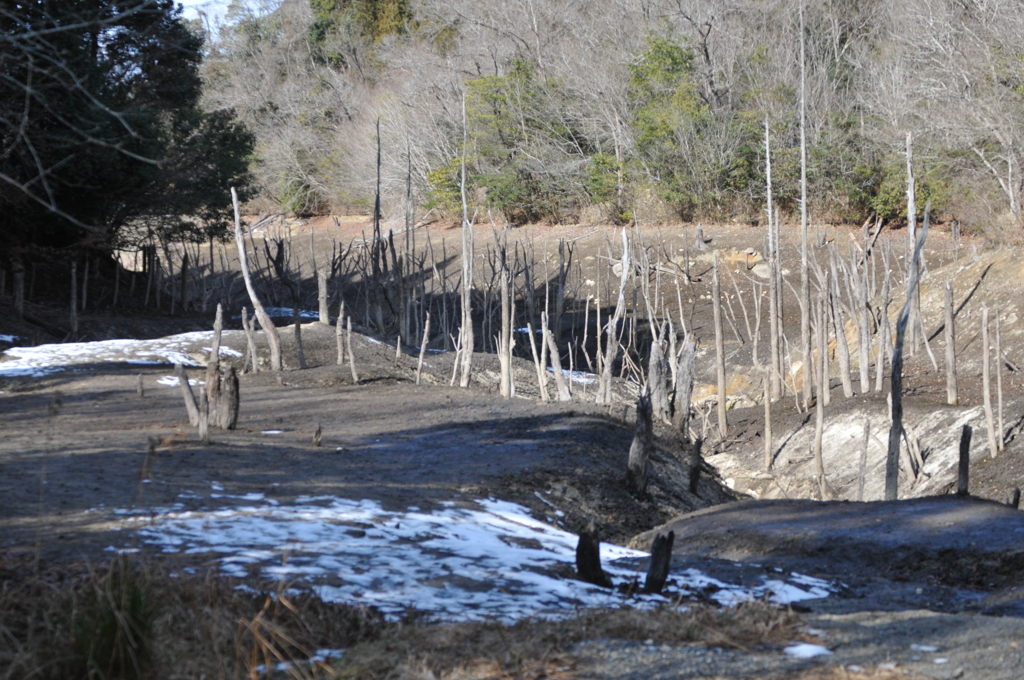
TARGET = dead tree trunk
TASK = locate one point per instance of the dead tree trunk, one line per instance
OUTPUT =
(661, 561)
(351, 356)
(892, 469)
(297, 327)
(190, 398)
(768, 453)
(505, 334)
(588, 558)
(842, 346)
(640, 450)
(952, 395)
(556, 366)
(423, 348)
(999, 385)
(227, 413)
(213, 365)
(716, 299)
(265, 323)
(338, 339)
(964, 467)
(251, 358)
(604, 390)
(321, 294)
(986, 383)
(656, 379)
(204, 417)
(685, 375)
(820, 376)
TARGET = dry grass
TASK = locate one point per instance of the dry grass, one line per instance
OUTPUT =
(541, 649)
(129, 619)
(133, 619)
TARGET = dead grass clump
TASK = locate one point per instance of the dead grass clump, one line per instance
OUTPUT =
(129, 619)
(535, 649)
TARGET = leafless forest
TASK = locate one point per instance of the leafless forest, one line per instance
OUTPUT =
(626, 110)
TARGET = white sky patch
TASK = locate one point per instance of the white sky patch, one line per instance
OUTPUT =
(184, 348)
(489, 561)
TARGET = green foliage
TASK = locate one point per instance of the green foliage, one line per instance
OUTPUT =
(522, 149)
(114, 137)
(697, 157)
(372, 19)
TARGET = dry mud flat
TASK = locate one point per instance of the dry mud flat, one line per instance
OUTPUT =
(908, 583)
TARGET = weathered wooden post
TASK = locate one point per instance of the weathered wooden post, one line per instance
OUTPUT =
(986, 384)
(952, 395)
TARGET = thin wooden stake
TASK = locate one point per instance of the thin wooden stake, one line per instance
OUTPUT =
(986, 383)
(952, 394)
(716, 299)
(423, 348)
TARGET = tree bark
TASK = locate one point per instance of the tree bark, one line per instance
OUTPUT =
(321, 293)
(640, 449)
(892, 469)
(265, 323)
(952, 393)
(661, 562)
(685, 376)
(186, 393)
(963, 476)
(716, 299)
(986, 383)
(588, 558)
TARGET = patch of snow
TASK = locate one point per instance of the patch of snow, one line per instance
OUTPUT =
(581, 377)
(8, 338)
(172, 381)
(272, 432)
(224, 351)
(44, 359)
(928, 649)
(805, 650)
(488, 561)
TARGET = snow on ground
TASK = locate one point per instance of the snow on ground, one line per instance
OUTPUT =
(185, 348)
(8, 338)
(488, 560)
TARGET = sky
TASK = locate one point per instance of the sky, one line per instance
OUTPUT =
(214, 8)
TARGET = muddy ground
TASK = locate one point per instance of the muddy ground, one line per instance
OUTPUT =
(952, 582)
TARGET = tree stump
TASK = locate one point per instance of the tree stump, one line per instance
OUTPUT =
(695, 463)
(640, 450)
(661, 560)
(229, 400)
(588, 558)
